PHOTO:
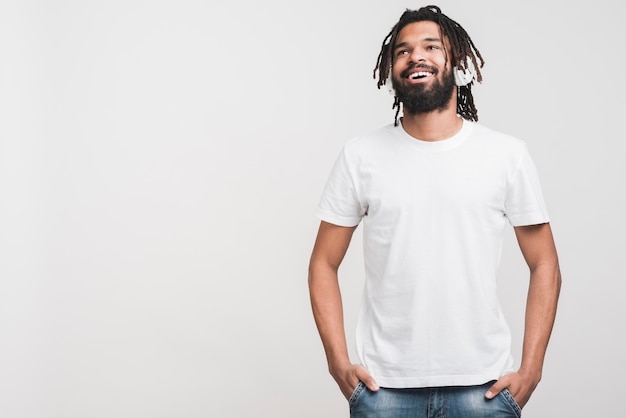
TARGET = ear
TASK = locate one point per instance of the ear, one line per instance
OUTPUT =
(464, 77)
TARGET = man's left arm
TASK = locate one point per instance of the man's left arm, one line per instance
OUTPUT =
(537, 246)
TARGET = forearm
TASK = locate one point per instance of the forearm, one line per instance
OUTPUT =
(541, 305)
(330, 247)
(538, 248)
(328, 313)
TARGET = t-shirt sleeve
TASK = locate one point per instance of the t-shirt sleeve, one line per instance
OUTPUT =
(524, 202)
(340, 204)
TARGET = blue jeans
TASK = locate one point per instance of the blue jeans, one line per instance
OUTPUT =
(438, 402)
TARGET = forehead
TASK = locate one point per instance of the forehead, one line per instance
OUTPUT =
(419, 31)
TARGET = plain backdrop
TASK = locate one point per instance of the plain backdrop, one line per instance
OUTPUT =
(160, 166)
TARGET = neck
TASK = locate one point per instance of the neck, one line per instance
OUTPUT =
(433, 126)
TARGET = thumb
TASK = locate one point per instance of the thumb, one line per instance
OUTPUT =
(495, 389)
(367, 379)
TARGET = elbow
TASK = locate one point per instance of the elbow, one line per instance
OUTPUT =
(314, 271)
(321, 272)
(552, 279)
(311, 276)
(547, 275)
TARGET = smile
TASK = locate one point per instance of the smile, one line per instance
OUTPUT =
(419, 74)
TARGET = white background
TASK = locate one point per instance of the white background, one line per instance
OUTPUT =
(160, 165)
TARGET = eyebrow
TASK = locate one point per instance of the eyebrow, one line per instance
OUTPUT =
(405, 44)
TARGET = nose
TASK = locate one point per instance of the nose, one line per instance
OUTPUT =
(417, 55)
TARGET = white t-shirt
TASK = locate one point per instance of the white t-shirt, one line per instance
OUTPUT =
(433, 219)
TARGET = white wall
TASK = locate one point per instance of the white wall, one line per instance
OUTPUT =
(160, 164)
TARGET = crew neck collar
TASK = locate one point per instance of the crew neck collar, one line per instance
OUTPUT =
(436, 146)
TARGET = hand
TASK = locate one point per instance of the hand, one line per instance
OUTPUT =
(349, 376)
(520, 385)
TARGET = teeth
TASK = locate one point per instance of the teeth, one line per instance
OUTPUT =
(419, 74)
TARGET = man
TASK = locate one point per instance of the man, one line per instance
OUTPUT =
(434, 191)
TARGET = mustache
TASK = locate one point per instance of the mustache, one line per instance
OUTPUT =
(405, 73)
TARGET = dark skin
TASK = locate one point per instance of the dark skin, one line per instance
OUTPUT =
(420, 42)
(537, 246)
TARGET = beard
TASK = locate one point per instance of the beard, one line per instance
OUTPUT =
(417, 98)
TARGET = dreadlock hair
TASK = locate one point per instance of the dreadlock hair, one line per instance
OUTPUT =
(462, 48)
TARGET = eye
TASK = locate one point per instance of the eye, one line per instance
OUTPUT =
(401, 52)
(433, 47)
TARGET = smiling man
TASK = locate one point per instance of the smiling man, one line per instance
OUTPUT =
(434, 191)
(419, 85)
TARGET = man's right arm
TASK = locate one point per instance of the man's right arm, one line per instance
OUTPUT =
(330, 247)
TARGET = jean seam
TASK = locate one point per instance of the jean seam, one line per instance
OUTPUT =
(512, 402)
(355, 395)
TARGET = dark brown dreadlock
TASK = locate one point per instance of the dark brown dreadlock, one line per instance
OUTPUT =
(462, 49)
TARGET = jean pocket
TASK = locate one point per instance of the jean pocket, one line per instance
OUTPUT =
(356, 393)
(512, 402)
